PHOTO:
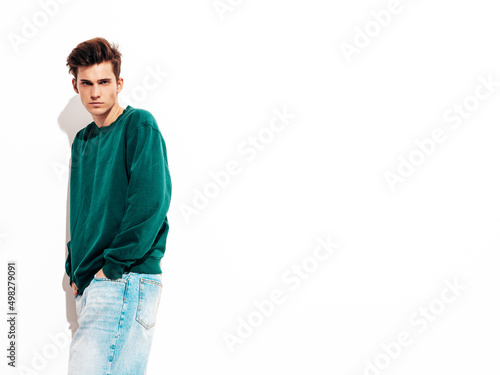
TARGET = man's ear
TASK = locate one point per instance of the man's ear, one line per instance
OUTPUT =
(119, 85)
(74, 85)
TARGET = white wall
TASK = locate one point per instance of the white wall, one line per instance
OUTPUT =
(221, 80)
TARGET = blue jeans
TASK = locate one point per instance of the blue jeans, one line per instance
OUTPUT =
(116, 321)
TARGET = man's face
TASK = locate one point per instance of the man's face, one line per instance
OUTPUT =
(98, 88)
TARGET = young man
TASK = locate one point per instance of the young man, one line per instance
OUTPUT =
(120, 192)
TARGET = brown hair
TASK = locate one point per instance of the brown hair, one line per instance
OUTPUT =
(94, 51)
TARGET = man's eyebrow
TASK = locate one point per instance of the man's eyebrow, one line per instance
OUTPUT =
(100, 79)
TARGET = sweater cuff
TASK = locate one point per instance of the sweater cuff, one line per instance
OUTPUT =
(112, 271)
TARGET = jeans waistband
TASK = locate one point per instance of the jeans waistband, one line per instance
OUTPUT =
(149, 276)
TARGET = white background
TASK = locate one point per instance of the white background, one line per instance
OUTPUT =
(222, 77)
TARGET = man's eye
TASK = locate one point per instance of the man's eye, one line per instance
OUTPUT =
(86, 83)
(105, 82)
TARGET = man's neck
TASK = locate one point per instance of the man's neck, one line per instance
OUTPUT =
(108, 118)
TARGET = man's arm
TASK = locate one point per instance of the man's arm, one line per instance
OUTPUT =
(68, 258)
(147, 200)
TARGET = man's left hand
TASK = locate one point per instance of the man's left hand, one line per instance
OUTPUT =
(101, 274)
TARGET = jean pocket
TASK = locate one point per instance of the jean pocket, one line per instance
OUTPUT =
(149, 300)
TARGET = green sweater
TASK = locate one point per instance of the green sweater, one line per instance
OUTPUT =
(120, 192)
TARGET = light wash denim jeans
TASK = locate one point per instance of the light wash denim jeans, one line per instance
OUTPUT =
(116, 321)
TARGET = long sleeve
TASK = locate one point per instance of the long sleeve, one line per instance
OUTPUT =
(147, 199)
(68, 258)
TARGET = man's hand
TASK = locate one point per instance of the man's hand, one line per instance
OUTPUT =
(98, 274)
(101, 274)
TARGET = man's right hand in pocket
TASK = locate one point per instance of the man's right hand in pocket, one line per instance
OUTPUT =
(75, 289)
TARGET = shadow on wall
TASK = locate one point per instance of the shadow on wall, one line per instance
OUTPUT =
(72, 119)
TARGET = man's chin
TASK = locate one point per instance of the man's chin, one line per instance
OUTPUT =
(98, 111)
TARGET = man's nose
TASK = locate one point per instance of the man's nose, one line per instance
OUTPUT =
(96, 93)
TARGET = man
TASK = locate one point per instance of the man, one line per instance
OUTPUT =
(120, 191)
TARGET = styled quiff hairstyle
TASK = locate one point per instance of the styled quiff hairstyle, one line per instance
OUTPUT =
(94, 51)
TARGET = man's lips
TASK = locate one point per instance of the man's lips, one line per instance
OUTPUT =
(96, 103)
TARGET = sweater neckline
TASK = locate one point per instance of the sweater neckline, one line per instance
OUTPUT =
(110, 127)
